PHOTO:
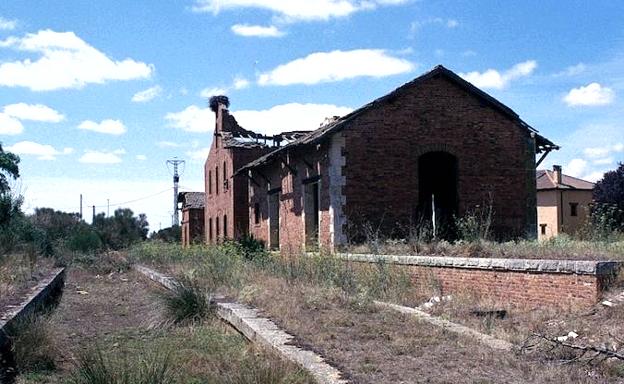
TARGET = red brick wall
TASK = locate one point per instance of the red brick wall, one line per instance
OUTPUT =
(522, 289)
(292, 228)
(495, 156)
(231, 200)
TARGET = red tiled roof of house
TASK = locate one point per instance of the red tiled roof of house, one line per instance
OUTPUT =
(546, 180)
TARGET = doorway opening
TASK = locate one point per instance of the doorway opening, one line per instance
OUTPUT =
(311, 207)
(437, 191)
(274, 220)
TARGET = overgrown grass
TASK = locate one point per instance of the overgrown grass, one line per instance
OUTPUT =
(561, 247)
(200, 354)
(33, 344)
(94, 367)
(189, 302)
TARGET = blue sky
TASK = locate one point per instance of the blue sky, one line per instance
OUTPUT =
(96, 96)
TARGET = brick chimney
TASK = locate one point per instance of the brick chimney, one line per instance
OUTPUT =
(557, 173)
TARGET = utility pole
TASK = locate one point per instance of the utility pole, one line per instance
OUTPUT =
(81, 206)
(176, 179)
(107, 207)
(93, 219)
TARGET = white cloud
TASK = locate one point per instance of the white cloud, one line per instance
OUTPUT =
(108, 126)
(288, 117)
(247, 30)
(597, 152)
(280, 118)
(102, 157)
(237, 84)
(34, 112)
(297, 10)
(492, 78)
(168, 144)
(214, 91)
(192, 119)
(147, 95)
(452, 23)
(240, 83)
(141, 157)
(42, 151)
(7, 25)
(199, 154)
(576, 167)
(604, 161)
(590, 95)
(594, 176)
(572, 70)
(10, 125)
(336, 66)
(65, 61)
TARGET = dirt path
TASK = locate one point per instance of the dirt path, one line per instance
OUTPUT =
(99, 309)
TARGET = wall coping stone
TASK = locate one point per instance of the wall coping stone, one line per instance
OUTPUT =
(36, 297)
(579, 267)
(261, 330)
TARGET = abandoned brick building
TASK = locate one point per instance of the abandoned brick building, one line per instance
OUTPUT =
(226, 212)
(192, 207)
(435, 141)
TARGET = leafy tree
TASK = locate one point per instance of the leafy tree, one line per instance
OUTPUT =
(122, 229)
(8, 169)
(608, 210)
(10, 204)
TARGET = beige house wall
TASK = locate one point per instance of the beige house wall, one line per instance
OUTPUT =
(554, 210)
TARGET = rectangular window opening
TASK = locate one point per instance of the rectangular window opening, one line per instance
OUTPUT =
(225, 231)
(573, 209)
(257, 213)
(543, 228)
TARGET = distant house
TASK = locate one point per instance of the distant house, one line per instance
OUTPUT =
(192, 206)
(562, 202)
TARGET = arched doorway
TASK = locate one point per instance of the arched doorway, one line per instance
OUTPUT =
(437, 186)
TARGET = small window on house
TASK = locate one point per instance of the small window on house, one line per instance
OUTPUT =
(209, 182)
(217, 180)
(573, 209)
(224, 226)
(543, 228)
(257, 213)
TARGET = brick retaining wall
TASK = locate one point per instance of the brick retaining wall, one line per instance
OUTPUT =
(524, 283)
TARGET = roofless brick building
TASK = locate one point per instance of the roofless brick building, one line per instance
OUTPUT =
(436, 141)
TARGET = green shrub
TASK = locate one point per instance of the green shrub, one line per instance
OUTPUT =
(251, 248)
(85, 240)
(188, 302)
